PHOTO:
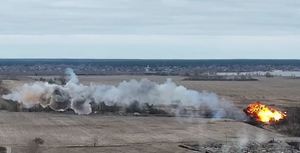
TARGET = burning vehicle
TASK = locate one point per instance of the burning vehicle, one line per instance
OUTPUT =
(264, 114)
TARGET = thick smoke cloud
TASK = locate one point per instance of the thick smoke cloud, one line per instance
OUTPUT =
(79, 97)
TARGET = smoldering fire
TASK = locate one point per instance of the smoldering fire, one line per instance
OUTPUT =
(79, 97)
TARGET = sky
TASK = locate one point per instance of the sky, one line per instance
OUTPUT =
(150, 29)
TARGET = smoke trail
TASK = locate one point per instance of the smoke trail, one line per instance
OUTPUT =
(79, 97)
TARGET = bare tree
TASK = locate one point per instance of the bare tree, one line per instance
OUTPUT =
(95, 141)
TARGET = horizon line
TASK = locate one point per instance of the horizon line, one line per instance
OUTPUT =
(147, 59)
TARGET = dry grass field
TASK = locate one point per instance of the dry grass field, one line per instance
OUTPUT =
(62, 133)
(73, 133)
(277, 91)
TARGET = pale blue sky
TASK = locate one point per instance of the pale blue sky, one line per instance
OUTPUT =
(164, 29)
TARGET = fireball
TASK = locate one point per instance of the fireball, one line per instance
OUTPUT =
(263, 113)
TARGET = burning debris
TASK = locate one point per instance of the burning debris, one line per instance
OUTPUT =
(264, 114)
(80, 98)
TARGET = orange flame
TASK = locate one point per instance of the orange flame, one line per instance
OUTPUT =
(263, 113)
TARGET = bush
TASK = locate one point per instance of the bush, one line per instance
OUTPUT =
(34, 145)
(269, 75)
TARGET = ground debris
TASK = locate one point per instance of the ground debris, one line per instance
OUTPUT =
(252, 147)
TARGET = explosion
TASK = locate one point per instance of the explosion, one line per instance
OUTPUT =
(264, 114)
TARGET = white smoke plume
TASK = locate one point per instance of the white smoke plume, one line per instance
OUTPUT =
(79, 97)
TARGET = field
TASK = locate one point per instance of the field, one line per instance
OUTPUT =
(277, 91)
(63, 132)
(72, 133)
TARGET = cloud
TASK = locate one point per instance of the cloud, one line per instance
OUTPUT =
(160, 17)
(149, 29)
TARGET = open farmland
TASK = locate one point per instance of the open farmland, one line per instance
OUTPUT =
(65, 132)
(72, 133)
(277, 91)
